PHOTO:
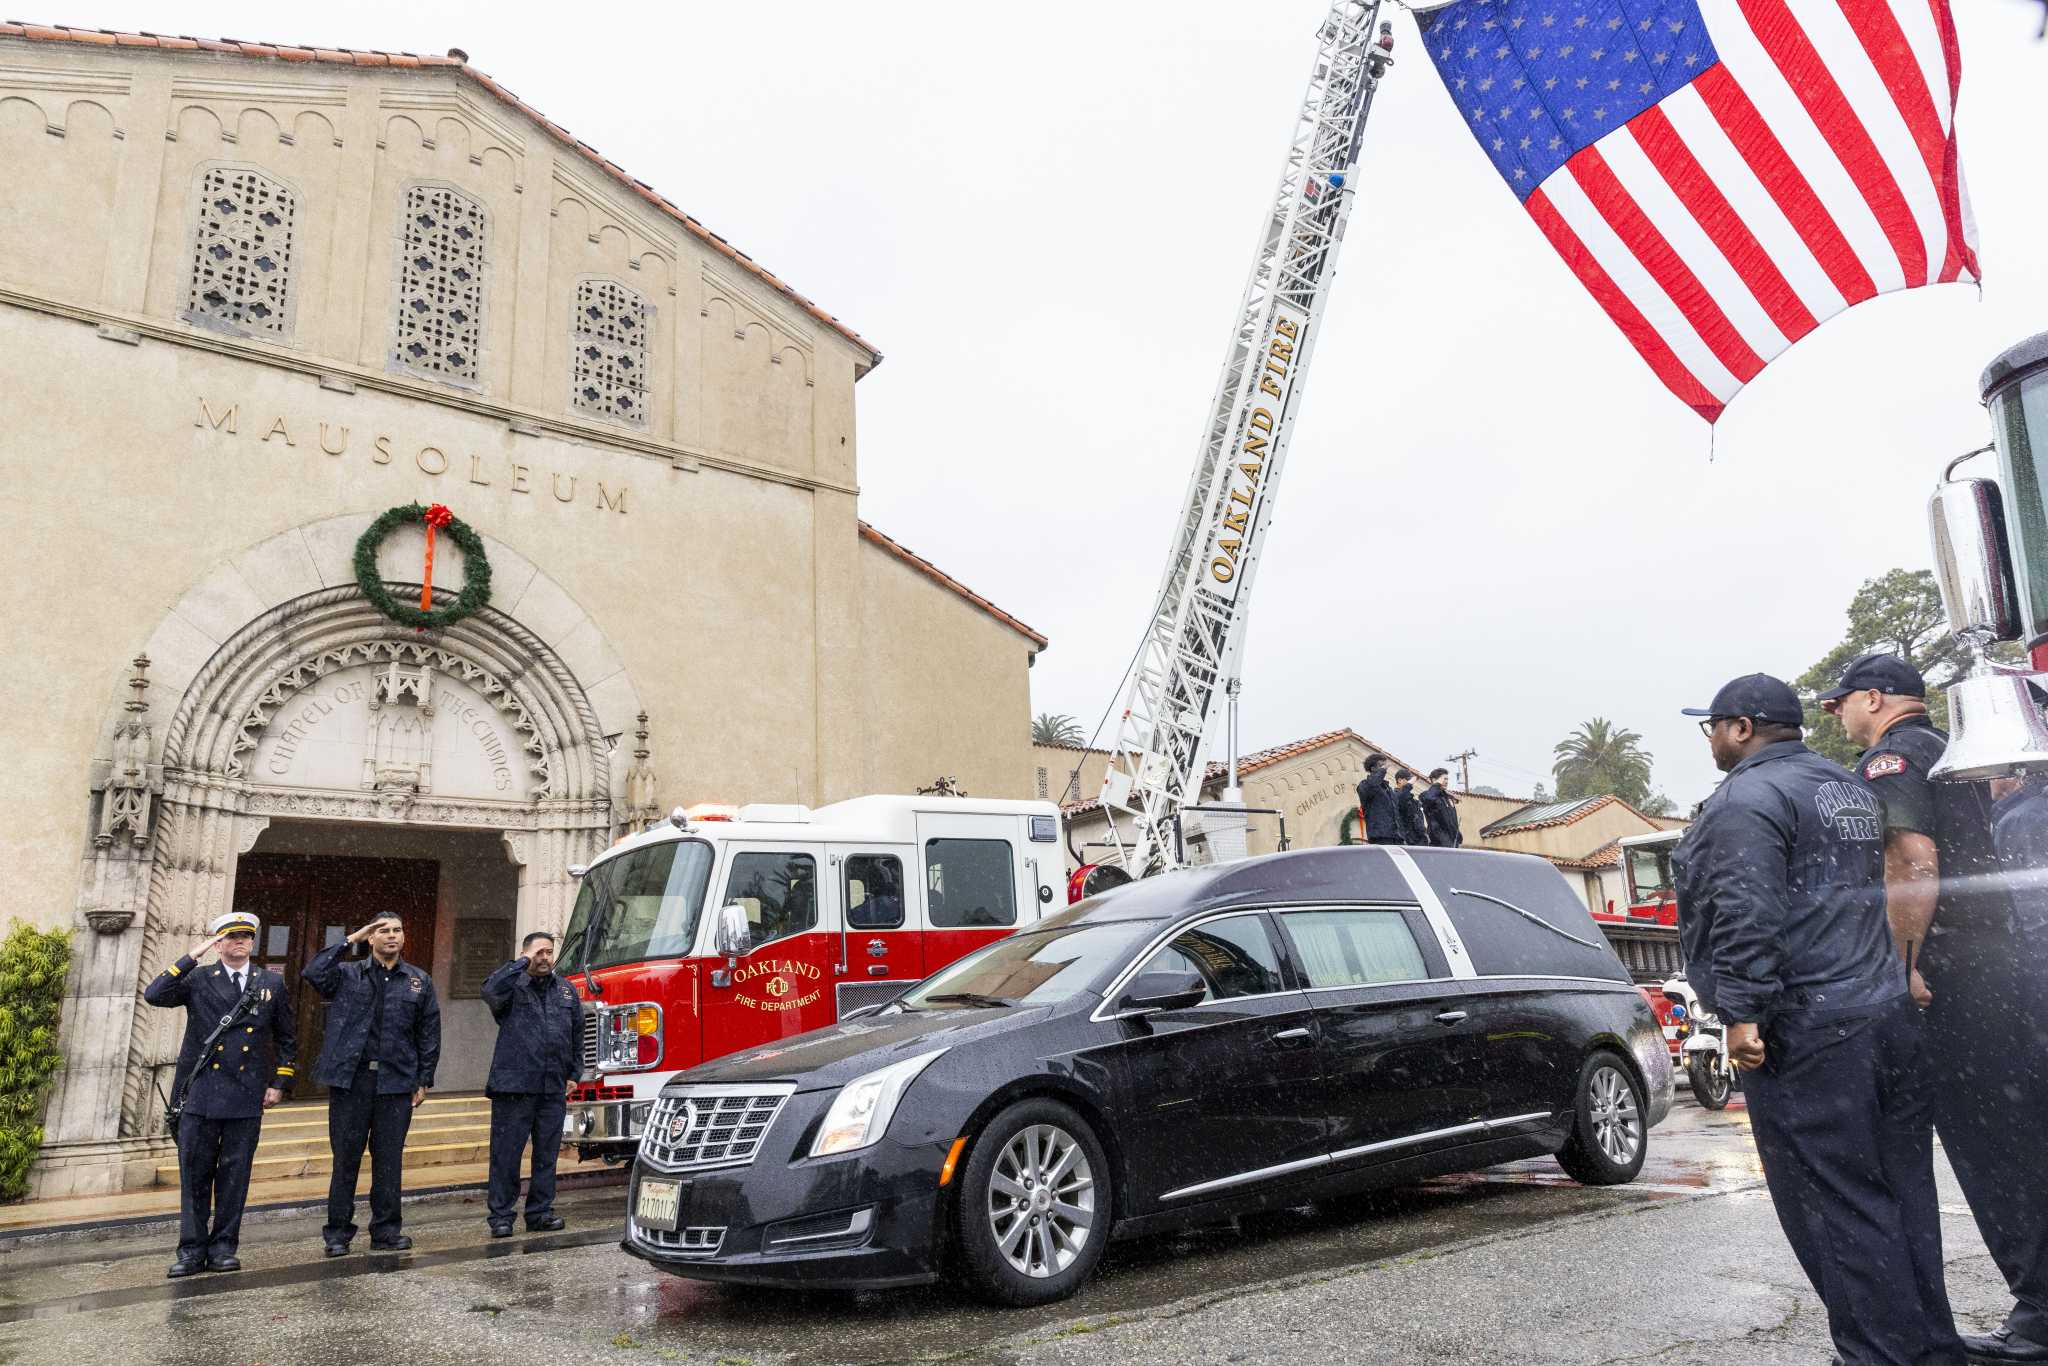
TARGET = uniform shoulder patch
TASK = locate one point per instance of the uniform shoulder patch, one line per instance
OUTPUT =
(1884, 765)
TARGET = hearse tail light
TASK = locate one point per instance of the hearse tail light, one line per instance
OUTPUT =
(861, 1112)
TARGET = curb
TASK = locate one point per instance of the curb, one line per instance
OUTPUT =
(94, 1229)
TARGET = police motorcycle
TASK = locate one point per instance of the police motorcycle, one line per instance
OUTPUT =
(1702, 1044)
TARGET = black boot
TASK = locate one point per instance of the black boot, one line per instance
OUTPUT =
(2002, 1344)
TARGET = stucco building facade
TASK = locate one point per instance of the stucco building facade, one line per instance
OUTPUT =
(250, 299)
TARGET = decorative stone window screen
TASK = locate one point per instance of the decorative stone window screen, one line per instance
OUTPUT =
(242, 253)
(442, 245)
(610, 371)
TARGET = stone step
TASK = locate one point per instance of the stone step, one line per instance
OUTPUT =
(315, 1122)
(427, 1155)
(420, 1135)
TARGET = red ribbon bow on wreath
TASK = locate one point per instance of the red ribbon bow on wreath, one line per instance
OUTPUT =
(437, 516)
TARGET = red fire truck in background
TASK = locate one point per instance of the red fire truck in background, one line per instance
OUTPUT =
(1646, 934)
(722, 928)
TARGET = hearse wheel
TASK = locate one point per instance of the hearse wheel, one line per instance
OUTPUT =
(1034, 1208)
(1608, 1140)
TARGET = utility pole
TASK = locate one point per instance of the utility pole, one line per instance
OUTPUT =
(1464, 763)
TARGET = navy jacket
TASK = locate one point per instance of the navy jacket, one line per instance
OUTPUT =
(255, 1054)
(1442, 810)
(1781, 905)
(1414, 829)
(2020, 830)
(540, 1032)
(412, 1023)
(1955, 816)
(1382, 812)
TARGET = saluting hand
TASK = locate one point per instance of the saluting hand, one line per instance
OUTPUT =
(205, 946)
(364, 933)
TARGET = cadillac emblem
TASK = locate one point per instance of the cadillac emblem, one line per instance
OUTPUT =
(680, 1125)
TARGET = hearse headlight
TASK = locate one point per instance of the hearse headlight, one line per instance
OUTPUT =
(861, 1112)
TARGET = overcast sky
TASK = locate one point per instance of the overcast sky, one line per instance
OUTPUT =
(1495, 522)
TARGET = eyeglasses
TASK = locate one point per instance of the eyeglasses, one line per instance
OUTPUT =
(1707, 726)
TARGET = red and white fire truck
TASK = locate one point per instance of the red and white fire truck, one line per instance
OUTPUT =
(726, 927)
(1646, 934)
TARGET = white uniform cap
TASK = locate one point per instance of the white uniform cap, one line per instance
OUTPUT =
(235, 920)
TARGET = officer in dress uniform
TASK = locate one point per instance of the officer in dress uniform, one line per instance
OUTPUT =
(1378, 807)
(225, 1087)
(383, 1043)
(1781, 919)
(1440, 808)
(539, 1052)
(1959, 927)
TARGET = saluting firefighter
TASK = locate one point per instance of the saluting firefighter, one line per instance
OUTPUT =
(538, 1053)
(1973, 946)
(236, 1062)
(383, 1043)
(1781, 919)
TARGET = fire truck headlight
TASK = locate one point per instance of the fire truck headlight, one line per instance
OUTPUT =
(861, 1112)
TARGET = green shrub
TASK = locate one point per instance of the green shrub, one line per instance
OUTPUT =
(32, 967)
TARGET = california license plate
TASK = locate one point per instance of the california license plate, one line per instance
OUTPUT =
(658, 1205)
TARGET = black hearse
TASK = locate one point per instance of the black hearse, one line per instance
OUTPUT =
(1190, 1046)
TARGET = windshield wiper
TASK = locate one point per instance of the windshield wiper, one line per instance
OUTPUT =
(593, 929)
(968, 998)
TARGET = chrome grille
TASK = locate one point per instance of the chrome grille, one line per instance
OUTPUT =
(702, 1241)
(589, 1040)
(710, 1126)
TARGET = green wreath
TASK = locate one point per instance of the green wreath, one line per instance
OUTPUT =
(476, 588)
(1349, 826)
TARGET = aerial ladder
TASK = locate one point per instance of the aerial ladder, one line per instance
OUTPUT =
(1192, 646)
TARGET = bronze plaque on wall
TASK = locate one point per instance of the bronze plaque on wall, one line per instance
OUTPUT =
(482, 946)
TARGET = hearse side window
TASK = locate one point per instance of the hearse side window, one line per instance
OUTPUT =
(780, 892)
(1234, 957)
(970, 883)
(1354, 948)
(874, 892)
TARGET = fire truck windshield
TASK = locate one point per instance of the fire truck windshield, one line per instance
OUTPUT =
(1649, 873)
(649, 899)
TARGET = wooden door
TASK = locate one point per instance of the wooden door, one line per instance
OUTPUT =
(308, 901)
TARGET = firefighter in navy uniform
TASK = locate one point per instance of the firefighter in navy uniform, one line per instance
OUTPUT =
(1956, 923)
(383, 1043)
(1781, 915)
(539, 1052)
(224, 1086)
(1378, 808)
(1440, 809)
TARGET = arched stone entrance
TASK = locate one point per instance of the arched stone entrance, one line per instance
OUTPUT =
(316, 709)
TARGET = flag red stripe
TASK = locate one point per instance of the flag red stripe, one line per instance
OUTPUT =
(1952, 179)
(1877, 28)
(1666, 267)
(1703, 199)
(1815, 88)
(1624, 313)
(1768, 160)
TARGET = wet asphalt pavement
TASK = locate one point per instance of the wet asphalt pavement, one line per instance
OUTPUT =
(1514, 1264)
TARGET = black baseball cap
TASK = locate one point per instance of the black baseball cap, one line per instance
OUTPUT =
(1759, 697)
(1886, 673)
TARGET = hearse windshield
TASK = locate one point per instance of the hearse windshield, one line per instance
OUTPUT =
(1035, 968)
(647, 901)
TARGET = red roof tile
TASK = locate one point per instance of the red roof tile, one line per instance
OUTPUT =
(412, 61)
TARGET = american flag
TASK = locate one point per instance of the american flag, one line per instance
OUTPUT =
(1722, 175)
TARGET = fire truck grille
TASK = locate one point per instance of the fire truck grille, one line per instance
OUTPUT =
(721, 1128)
(589, 1040)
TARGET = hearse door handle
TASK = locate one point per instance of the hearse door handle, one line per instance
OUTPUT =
(1449, 1017)
(1297, 1035)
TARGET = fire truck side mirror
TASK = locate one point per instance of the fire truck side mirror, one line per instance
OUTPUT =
(1972, 560)
(733, 931)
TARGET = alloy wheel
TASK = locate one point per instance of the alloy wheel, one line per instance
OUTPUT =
(1617, 1122)
(1041, 1200)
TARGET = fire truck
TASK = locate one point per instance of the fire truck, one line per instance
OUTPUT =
(722, 928)
(1645, 932)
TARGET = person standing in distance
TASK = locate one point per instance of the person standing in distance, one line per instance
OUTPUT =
(1440, 810)
(1953, 919)
(1414, 828)
(1781, 921)
(1377, 805)
(383, 1043)
(223, 1087)
(539, 1052)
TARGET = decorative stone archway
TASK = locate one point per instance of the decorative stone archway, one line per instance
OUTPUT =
(192, 775)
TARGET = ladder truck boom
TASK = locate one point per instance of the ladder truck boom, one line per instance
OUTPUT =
(1193, 641)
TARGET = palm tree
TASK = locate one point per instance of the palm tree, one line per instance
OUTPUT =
(1600, 757)
(1049, 728)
